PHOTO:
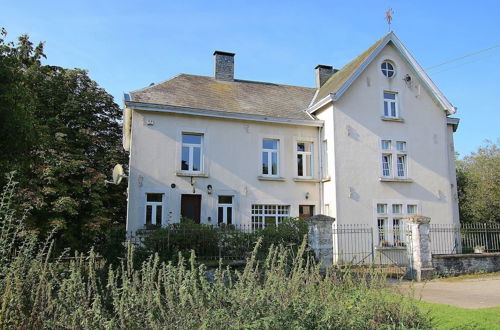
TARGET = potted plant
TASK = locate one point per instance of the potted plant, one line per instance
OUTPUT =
(479, 249)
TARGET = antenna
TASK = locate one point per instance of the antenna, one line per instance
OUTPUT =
(118, 175)
(388, 17)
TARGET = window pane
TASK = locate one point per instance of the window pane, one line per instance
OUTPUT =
(386, 144)
(154, 197)
(300, 165)
(265, 163)
(381, 208)
(397, 208)
(401, 165)
(384, 65)
(412, 209)
(390, 96)
(185, 159)
(229, 215)
(301, 146)
(149, 214)
(270, 144)
(220, 215)
(386, 109)
(158, 215)
(393, 109)
(386, 165)
(275, 163)
(196, 159)
(401, 145)
(225, 199)
(191, 138)
(270, 221)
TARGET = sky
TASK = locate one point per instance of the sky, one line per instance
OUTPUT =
(126, 45)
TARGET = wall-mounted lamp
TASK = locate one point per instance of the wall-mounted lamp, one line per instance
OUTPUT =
(209, 189)
(307, 195)
(173, 185)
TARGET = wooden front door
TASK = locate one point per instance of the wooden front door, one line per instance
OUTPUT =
(191, 207)
(306, 211)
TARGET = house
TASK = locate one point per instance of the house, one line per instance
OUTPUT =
(370, 144)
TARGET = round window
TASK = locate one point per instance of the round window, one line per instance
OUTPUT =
(388, 69)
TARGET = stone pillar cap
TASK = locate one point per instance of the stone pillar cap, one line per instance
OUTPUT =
(320, 218)
(418, 219)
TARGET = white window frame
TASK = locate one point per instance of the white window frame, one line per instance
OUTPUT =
(269, 156)
(307, 159)
(225, 207)
(389, 102)
(385, 72)
(191, 147)
(154, 208)
(393, 236)
(259, 212)
(394, 156)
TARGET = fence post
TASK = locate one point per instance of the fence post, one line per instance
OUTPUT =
(420, 248)
(320, 228)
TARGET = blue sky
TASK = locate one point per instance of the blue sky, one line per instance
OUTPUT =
(126, 45)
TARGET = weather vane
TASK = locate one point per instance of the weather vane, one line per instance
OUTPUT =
(388, 17)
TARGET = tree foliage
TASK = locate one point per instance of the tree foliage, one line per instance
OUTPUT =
(62, 136)
(478, 180)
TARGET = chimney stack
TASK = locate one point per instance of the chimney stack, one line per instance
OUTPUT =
(323, 72)
(223, 66)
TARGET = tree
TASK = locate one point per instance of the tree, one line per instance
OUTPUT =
(73, 141)
(478, 180)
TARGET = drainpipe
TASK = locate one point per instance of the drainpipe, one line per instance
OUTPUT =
(320, 158)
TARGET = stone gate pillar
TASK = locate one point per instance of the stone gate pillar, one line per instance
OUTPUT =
(321, 238)
(420, 253)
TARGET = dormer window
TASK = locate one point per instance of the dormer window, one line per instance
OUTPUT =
(387, 68)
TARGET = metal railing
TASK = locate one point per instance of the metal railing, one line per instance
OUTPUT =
(465, 238)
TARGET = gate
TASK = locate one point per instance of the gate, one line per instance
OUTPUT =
(361, 245)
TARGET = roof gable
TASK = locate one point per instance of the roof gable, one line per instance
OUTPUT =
(337, 85)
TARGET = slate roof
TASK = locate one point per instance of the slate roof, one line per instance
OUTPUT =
(239, 96)
(336, 81)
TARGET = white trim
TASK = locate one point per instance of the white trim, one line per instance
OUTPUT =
(320, 103)
(221, 114)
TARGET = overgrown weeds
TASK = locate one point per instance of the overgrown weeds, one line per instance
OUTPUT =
(285, 290)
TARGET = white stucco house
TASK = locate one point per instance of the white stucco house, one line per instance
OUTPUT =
(370, 144)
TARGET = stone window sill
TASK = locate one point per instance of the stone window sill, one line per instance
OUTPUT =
(195, 175)
(395, 180)
(305, 180)
(271, 178)
(398, 120)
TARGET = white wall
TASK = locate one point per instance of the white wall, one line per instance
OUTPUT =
(232, 161)
(357, 130)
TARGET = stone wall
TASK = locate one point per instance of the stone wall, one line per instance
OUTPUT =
(321, 238)
(458, 264)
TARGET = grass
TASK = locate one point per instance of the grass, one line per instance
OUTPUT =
(450, 317)
(474, 276)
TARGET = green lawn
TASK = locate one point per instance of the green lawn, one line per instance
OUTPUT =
(450, 317)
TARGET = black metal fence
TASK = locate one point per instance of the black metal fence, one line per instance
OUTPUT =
(362, 244)
(465, 238)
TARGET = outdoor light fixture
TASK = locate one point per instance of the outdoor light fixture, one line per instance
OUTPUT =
(307, 195)
(209, 189)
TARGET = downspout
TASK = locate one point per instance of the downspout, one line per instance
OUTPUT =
(320, 158)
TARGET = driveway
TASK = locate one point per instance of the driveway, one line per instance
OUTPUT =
(476, 292)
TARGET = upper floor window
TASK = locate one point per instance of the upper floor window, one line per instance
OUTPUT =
(398, 168)
(304, 159)
(270, 157)
(387, 69)
(390, 104)
(192, 152)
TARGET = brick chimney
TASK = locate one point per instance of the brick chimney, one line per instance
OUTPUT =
(323, 72)
(223, 66)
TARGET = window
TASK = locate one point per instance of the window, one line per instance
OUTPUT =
(386, 165)
(306, 211)
(192, 152)
(390, 225)
(154, 208)
(270, 153)
(304, 159)
(390, 104)
(411, 209)
(394, 162)
(387, 69)
(269, 215)
(225, 209)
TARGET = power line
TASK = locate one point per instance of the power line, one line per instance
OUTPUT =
(462, 57)
(468, 62)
